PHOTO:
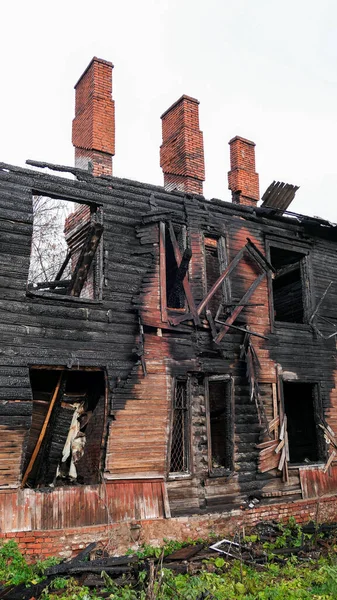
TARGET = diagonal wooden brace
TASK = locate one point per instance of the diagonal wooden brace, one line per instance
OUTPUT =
(239, 308)
(187, 289)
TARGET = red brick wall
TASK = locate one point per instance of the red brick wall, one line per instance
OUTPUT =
(94, 122)
(118, 537)
(182, 150)
(242, 179)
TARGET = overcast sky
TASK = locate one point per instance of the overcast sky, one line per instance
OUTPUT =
(262, 69)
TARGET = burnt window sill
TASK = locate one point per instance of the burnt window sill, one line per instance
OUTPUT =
(313, 465)
(220, 472)
(279, 325)
(177, 476)
(61, 297)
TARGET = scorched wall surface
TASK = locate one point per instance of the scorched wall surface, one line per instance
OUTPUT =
(130, 336)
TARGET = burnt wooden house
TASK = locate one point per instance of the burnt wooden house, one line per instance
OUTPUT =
(181, 358)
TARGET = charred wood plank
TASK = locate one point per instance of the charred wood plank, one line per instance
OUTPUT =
(239, 308)
(43, 431)
(85, 259)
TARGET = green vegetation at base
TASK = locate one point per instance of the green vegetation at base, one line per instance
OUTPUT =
(304, 576)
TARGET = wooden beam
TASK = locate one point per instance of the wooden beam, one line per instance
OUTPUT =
(239, 308)
(219, 281)
(63, 266)
(85, 259)
(162, 272)
(43, 430)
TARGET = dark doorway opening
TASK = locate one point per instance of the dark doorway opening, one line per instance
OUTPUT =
(287, 285)
(300, 405)
(220, 425)
(66, 435)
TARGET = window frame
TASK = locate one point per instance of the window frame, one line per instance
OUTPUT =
(171, 475)
(36, 368)
(318, 410)
(306, 281)
(99, 267)
(222, 260)
(165, 309)
(223, 471)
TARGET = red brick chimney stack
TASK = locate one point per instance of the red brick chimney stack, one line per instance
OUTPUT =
(94, 122)
(182, 150)
(242, 179)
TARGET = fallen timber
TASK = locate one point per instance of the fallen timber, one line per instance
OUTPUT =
(312, 540)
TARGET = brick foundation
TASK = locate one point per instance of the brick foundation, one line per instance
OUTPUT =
(117, 538)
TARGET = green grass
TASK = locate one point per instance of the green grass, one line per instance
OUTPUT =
(219, 579)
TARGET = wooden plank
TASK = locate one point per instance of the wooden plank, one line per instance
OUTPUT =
(219, 281)
(85, 259)
(162, 271)
(279, 446)
(329, 461)
(167, 509)
(43, 431)
(239, 308)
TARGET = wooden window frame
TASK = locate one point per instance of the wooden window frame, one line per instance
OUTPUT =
(99, 255)
(224, 471)
(306, 280)
(180, 474)
(318, 415)
(223, 262)
(166, 311)
(63, 371)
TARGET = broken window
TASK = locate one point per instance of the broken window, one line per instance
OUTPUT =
(174, 262)
(66, 435)
(66, 254)
(214, 265)
(175, 295)
(289, 298)
(305, 439)
(180, 429)
(220, 425)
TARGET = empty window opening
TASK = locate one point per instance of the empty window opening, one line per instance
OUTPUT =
(175, 295)
(180, 436)
(220, 425)
(65, 440)
(213, 271)
(300, 405)
(66, 251)
(288, 292)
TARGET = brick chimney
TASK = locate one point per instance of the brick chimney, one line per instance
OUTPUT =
(94, 122)
(182, 150)
(242, 179)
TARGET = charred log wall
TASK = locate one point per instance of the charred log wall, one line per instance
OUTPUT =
(49, 330)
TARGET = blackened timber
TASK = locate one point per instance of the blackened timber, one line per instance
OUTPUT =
(85, 259)
(186, 285)
(176, 290)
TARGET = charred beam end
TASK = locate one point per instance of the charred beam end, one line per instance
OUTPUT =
(85, 259)
(79, 173)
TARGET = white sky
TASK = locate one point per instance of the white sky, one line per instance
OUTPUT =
(262, 69)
